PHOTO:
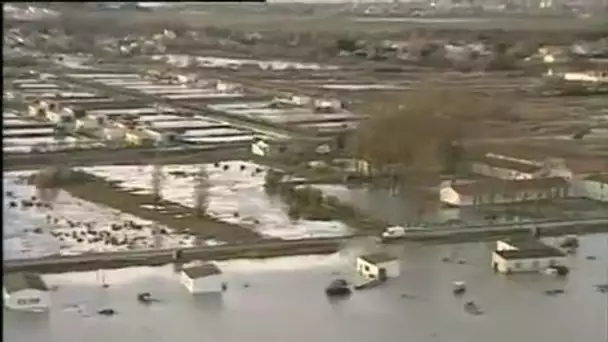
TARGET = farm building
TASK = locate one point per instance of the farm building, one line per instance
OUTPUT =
(203, 278)
(594, 187)
(378, 266)
(25, 291)
(503, 167)
(525, 255)
(487, 192)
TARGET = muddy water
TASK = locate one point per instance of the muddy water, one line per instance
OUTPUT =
(285, 302)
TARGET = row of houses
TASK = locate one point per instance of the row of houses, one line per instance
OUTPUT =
(512, 180)
(124, 129)
(496, 191)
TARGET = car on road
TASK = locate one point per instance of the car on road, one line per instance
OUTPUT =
(396, 232)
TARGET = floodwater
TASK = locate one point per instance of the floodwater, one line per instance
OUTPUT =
(402, 208)
(285, 301)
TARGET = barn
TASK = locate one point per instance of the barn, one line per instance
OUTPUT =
(25, 291)
(203, 278)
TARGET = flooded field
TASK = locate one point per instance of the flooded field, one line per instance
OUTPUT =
(403, 209)
(285, 300)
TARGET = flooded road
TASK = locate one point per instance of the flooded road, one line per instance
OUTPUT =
(285, 301)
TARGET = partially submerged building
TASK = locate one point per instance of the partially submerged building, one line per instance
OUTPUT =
(488, 192)
(25, 291)
(203, 278)
(525, 255)
(378, 266)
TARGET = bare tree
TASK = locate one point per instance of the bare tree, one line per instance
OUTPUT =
(415, 134)
(200, 191)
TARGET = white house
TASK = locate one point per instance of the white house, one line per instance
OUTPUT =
(594, 187)
(25, 291)
(260, 148)
(203, 278)
(503, 191)
(525, 255)
(378, 265)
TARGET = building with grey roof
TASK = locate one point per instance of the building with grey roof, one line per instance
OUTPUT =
(25, 291)
(203, 278)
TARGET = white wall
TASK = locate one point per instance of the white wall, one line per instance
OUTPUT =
(203, 285)
(393, 268)
(208, 284)
(591, 190)
(28, 299)
(525, 265)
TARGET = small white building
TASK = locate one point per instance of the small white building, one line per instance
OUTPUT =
(25, 291)
(327, 105)
(525, 255)
(378, 265)
(260, 148)
(226, 87)
(594, 187)
(203, 278)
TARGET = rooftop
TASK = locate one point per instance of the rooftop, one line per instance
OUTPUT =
(530, 254)
(14, 282)
(509, 164)
(529, 248)
(508, 186)
(376, 258)
(201, 271)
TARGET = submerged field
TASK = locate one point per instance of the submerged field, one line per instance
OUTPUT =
(279, 298)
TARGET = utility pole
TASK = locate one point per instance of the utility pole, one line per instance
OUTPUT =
(200, 191)
(157, 180)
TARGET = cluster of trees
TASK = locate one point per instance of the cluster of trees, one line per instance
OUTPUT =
(422, 132)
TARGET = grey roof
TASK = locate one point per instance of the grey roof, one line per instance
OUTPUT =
(531, 253)
(201, 271)
(14, 282)
(376, 258)
(529, 249)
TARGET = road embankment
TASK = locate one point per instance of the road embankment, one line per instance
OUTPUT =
(95, 261)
